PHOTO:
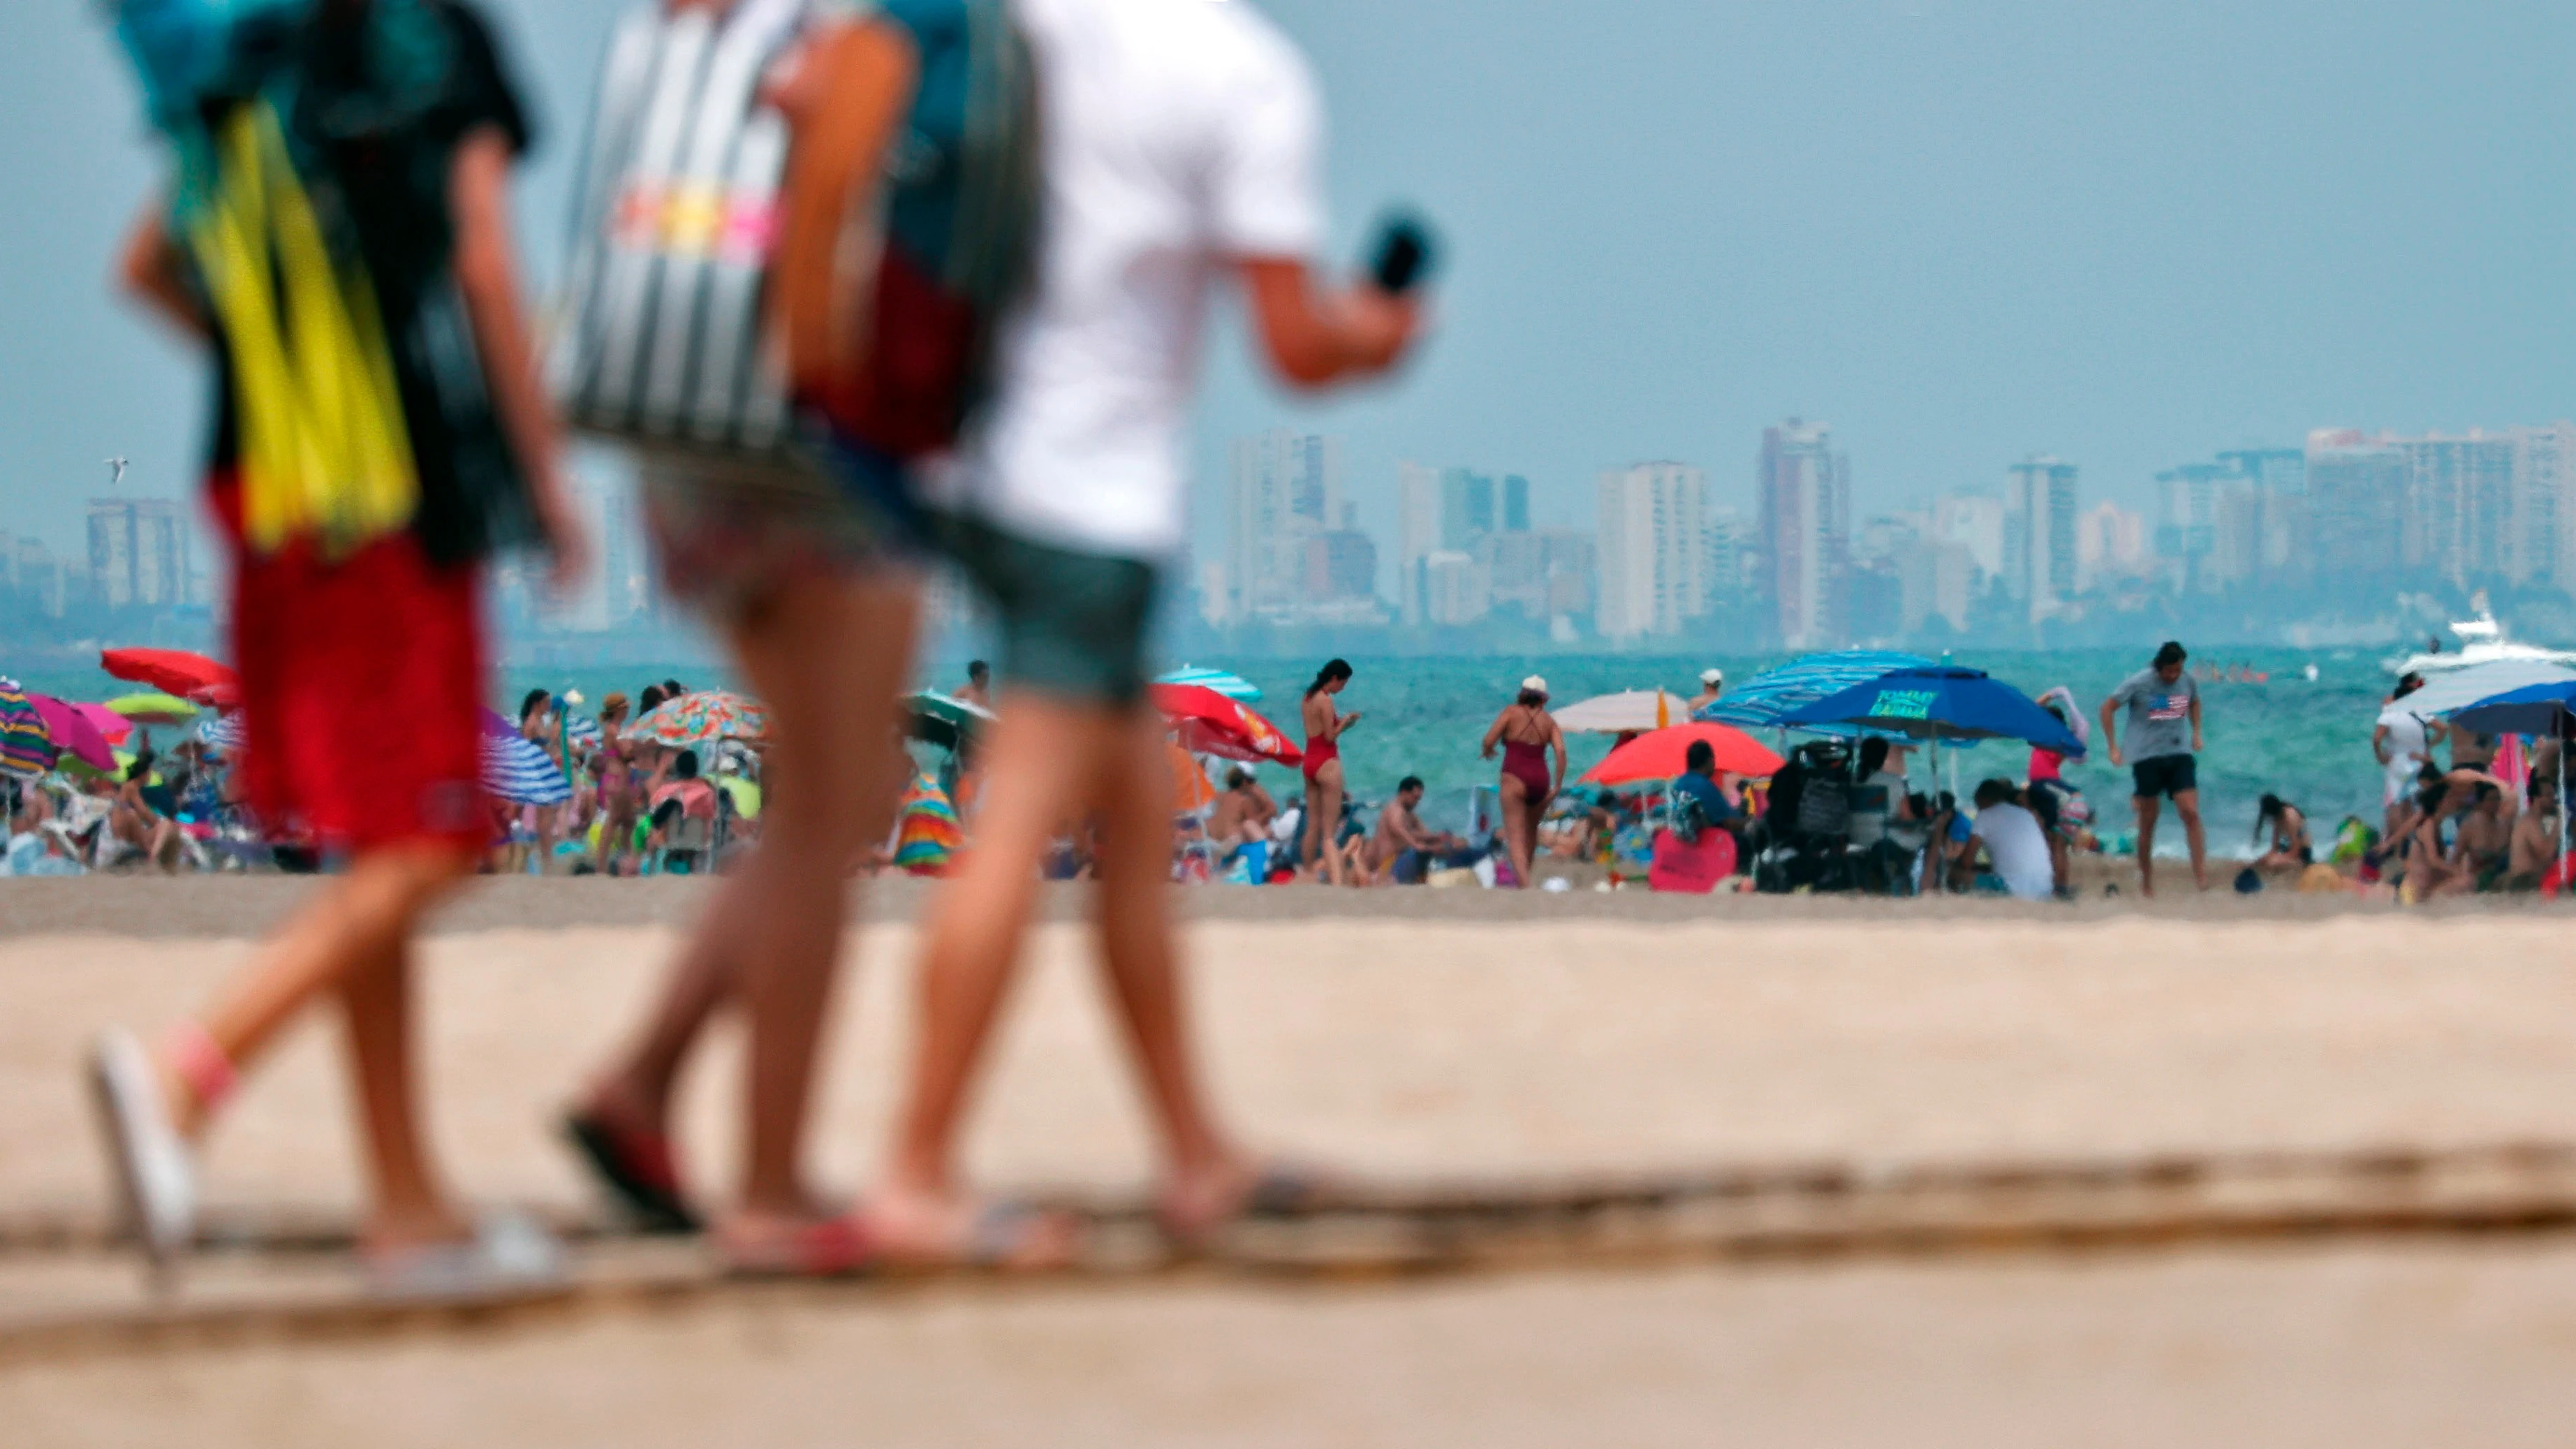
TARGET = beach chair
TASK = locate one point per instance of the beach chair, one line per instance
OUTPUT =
(686, 843)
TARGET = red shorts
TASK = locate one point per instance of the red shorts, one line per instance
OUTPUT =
(362, 695)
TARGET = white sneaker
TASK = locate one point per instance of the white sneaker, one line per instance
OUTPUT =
(510, 1254)
(146, 1157)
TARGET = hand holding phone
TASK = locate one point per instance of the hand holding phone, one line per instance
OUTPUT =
(1404, 254)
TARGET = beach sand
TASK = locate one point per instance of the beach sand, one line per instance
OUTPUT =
(1421, 1037)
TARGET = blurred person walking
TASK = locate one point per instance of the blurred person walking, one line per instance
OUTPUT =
(814, 574)
(1181, 143)
(2163, 705)
(337, 234)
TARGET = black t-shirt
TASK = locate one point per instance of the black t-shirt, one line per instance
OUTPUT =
(380, 106)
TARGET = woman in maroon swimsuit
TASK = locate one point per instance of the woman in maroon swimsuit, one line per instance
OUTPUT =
(1527, 734)
(1324, 725)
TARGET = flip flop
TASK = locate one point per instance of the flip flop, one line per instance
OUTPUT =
(1003, 1237)
(148, 1160)
(1279, 1190)
(508, 1256)
(839, 1247)
(640, 1168)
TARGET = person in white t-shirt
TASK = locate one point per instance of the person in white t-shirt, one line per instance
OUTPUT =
(1180, 151)
(2014, 842)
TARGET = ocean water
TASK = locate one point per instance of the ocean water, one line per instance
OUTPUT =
(2308, 742)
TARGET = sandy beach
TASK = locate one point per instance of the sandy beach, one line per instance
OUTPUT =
(1420, 1038)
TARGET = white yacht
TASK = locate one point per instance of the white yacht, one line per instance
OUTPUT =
(2482, 641)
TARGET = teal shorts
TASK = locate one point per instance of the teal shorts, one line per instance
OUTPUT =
(1070, 624)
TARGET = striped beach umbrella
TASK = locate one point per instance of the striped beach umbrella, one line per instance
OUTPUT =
(929, 837)
(223, 733)
(1232, 686)
(520, 771)
(26, 748)
(703, 718)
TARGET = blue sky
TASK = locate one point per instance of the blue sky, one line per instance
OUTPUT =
(2130, 234)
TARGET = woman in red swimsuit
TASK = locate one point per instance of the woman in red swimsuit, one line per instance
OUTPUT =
(1527, 734)
(1324, 725)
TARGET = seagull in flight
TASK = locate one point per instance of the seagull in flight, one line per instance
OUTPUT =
(116, 472)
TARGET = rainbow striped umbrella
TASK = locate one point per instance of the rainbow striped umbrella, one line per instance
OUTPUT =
(26, 746)
(698, 719)
(930, 836)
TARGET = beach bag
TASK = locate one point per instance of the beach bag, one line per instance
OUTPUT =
(661, 341)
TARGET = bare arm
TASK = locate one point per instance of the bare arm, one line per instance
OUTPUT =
(1315, 338)
(1556, 745)
(487, 274)
(1494, 736)
(2110, 729)
(148, 270)
(2196, 745)
(845, 101)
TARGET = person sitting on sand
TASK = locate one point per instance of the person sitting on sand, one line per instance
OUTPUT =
(2535, 839)
(2292, 851)
(2013, 841)
(1242, 816)
(1403, 848)
(1579, 836)
(138, 824)
(2484, 842)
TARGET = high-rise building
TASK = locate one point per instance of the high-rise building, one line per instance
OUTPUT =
(1974, 522)
(2110, 545)
(138, 553)
(1805, 489)
(2357, 502)
(1341, 565)
(1466, 508)
(1654, 550)
(1519, 564)
(1516, 515)
(1286, 488)
(1937, 578)
(1458, 589)
(2039, 534)
(1417, 536)
(2544, 500)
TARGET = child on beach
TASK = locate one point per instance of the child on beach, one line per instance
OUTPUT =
(337, 235)
(1180, 150)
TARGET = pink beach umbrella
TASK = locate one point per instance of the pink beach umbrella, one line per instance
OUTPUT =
(112, 727)
(73, 733)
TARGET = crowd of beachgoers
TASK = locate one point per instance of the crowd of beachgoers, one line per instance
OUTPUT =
(1699, 806)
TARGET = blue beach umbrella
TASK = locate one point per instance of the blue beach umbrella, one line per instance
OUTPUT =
(1766, 701)
(1940, 704)
(2534, 709)
(1232, 686)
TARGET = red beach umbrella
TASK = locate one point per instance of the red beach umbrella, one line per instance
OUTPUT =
(173, 671)
(1660, 754)
(1208, 723)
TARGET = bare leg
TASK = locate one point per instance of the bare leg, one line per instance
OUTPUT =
(1516, 832)
(376, 1003)
(2187, 805)
(2146, 807)
(827, 658)
(1049, 753)
(1204, 1173)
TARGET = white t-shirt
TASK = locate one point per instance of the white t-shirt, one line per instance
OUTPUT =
(2020, 850)
(1180, 136)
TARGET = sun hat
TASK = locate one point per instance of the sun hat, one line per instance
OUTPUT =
(1535, 684)
(614, 704)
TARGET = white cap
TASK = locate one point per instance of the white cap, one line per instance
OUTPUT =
(1712, 676)
(1534, 684)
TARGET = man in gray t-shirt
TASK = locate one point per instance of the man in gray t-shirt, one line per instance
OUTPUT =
(2163, 705)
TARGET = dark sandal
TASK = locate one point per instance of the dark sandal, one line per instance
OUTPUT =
(640, 1168)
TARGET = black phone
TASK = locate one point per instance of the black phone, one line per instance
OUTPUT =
(1404, 255)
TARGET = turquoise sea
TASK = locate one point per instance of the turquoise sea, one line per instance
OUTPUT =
(2309, 742)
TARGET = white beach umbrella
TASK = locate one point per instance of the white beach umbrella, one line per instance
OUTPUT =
(1611, 714)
